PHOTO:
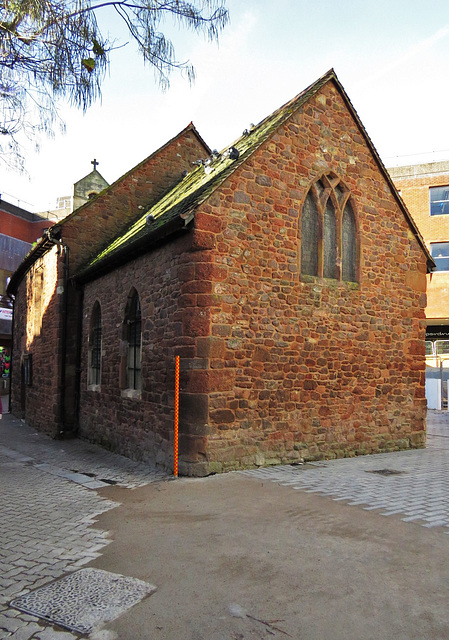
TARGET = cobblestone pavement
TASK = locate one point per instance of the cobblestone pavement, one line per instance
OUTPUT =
(413, 484)
(48, 515)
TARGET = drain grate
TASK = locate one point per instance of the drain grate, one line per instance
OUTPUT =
(84, 599)
(386, 472)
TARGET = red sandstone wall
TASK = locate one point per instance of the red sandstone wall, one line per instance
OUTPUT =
(302, 366)
(37, 331)
(85, 232)
(141, 427)
(275, 366)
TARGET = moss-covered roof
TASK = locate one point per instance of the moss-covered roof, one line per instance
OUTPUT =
(176, 208)
(202, 181)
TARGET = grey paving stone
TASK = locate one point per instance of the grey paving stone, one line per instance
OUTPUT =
(49, 517)
(420, 493)
(50, 634)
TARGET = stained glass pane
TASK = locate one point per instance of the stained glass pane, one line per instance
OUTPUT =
(330, 242)
(349, 248)
(309, 238)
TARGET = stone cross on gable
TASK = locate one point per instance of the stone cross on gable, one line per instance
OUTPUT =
(95, 163)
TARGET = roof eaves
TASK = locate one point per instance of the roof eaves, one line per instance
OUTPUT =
(44, 245)
(125, 253)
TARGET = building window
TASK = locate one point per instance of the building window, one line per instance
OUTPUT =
(133, 323)
(329, 231)
(95, 344)
(330, 242)
(27, 370)
(309, 236)
(439, 201)
(349, 245)
(440, 253)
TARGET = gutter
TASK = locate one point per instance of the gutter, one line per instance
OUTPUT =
(53, 237)
(63, 315)
(48, 241)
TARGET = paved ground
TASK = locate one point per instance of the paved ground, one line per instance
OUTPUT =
(417, 487)
(48, 507)
(235, 556)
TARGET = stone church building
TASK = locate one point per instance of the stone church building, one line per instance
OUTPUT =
(285, 272)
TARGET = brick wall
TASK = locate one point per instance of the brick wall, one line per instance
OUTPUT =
(21, 229)
(275, 366)
(414, 182)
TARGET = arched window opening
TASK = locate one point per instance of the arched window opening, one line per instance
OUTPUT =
(330, 242)
(95, 346)
(329, 231)
(133, 323)
(349, 245)
(309, 238)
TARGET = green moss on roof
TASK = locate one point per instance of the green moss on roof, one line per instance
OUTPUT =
(200, 183)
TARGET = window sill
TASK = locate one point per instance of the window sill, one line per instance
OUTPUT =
(331, 282)
(94, 387)
(132, 394)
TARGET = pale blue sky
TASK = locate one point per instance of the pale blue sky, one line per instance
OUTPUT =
(392, 57)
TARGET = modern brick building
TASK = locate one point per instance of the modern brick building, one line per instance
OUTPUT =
(19, 228)
(285, 272)
(425, 190)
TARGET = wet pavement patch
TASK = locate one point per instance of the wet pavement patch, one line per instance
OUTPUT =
(84, 599)
(386, 472)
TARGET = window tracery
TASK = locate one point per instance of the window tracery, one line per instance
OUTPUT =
(329, 240)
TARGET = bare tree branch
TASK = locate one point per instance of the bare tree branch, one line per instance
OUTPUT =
(54, 49)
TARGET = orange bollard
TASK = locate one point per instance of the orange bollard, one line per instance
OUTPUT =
(175, 463)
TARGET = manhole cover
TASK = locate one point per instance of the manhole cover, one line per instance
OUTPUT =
(83, 600)
(386, 472)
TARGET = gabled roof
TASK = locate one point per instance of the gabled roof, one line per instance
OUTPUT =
(176, 209)
(112, 187)
(56, 234)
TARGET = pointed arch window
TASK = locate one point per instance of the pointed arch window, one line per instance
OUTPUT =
(349, 245)
(95, 346)
(329, 238)
(133, 330)
(309, 236)
(330, 241)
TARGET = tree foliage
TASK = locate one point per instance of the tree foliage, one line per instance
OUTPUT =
(54, 49)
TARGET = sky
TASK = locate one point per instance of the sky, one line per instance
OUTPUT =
(391, 56)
